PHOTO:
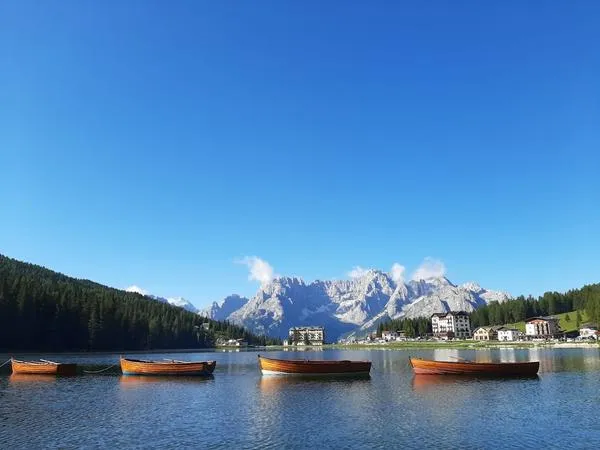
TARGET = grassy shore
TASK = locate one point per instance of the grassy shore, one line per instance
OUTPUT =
(405, 345)
(565, 325)
(434, 345)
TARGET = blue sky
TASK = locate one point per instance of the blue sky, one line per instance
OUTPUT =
(156, 143)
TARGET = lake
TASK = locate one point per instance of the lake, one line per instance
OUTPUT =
(240, 409)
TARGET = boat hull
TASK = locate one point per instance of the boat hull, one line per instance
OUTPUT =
(270, 366)
(429, 367)
(42, 368)
(170, 368)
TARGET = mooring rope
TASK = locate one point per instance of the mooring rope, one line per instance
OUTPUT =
(101, 370)
(5, 363)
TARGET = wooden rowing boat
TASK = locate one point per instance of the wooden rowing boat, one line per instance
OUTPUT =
(166, 367)
(269, 366)
(507, 369)
(42, 367)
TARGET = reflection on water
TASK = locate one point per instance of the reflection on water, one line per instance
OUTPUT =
(566, 361)
(508, 355)
(136, 380)
(551, 360)
(423, 382)
(302, 349)
(428, 382)
(270, 383)
(446, 354)
(33, 378)
(485, 355)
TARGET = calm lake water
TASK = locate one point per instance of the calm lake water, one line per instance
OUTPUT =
(240, 409)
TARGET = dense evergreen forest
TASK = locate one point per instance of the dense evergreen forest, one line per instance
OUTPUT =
(420, 326)
(587, 298)
(42, 310)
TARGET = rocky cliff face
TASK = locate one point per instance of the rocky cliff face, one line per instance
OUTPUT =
(221, 311)
(344, 306)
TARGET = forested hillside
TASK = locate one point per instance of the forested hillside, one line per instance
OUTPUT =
(42, 310)
(587, 298)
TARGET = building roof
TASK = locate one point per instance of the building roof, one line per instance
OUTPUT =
(547, 319)
(311, 328)
(489, 328)
(450, 313)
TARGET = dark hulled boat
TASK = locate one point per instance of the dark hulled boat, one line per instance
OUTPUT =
(507, 369)
(270, 366)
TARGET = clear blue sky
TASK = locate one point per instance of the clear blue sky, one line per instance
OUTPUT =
(153, 143)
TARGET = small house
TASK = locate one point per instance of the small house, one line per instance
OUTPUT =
(509, 334)
(588, 331)
(542, 327)
(389, 335)
(487, 333)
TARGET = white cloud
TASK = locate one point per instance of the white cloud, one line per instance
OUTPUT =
(260, 270)
(357, 272)
(429, 268)
(398, 273)
(137, 290)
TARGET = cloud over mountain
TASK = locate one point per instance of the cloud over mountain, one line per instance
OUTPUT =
(398, 273)
(259, 269)
(429, 268)
(357, 272)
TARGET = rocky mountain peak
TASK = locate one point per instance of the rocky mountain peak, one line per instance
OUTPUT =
(343, 306)
(175, 301)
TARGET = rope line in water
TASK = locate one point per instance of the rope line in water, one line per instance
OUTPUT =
(5, 363)
(99, 371)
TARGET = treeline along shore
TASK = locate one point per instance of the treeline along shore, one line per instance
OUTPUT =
(42, 310)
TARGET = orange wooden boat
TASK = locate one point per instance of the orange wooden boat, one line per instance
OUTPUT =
(166, 367)
(42, 367)
(270, 366)
(509, 369)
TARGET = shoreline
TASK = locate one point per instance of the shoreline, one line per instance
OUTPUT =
(467, 345)
(126, 352)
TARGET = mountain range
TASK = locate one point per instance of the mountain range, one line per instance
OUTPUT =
(346, 307)
(175, 301)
